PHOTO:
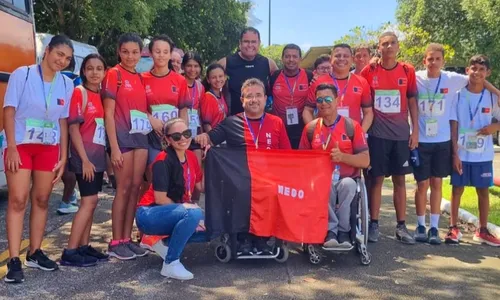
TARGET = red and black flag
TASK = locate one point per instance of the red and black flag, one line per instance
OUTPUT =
(281, 193)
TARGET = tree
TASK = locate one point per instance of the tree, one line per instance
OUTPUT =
(362, 35)
(468, 26)
(210, 27)
(274, 52)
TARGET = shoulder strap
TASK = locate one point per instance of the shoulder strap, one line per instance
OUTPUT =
(310, 129)
(273, 79)
(405, 67)
(491, 97)
(199, 87)
(118, 79)
(349, 128)
(84, 97)
(310, 76)
(26, 79)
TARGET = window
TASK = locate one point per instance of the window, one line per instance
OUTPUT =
(23, 5)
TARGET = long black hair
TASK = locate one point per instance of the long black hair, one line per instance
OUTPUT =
(129, 38)
(60, 40)
(191, 55)
(210, 68)
(84, 64)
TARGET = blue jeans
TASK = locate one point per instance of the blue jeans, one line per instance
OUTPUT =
(173, 220)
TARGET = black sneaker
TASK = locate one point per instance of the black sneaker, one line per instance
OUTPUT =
(245, 247)
(344, 238)
(39, 260)
(14, 271)
(91, 251)
(331, 240)
(77, 258)
(263, 247)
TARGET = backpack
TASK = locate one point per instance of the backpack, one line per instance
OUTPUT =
(349, 128)
(84, 97)
(119, 79)
(28, 74)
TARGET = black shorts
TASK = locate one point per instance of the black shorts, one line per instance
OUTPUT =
(388, 157)
(435, 161)
(90, 188)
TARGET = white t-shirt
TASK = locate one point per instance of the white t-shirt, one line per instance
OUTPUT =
(26, 94)
(435, 106)
(473, 147)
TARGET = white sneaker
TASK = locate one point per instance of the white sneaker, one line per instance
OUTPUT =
(176, 270)
(160, 249)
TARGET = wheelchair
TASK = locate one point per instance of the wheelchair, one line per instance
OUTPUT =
(359, 230)
(227, 245)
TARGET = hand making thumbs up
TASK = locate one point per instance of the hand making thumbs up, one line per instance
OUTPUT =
(336, 154)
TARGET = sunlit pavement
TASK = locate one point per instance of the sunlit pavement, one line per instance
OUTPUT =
(468, 271)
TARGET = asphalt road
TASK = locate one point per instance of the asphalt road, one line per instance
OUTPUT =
(468, 271)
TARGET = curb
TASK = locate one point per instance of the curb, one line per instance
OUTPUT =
(468, 218)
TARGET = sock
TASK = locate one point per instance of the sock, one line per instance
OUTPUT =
(434, 220)
(421, 220)
(115, 242)
(125, 241)
(374, 221)
(401, 223)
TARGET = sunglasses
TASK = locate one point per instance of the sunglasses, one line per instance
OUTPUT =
(177, 136)
(327, 99)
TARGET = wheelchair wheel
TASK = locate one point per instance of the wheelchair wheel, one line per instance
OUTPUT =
(283, 255)
(366, 259)
(223, 253)
(364, 211)
(314, 256)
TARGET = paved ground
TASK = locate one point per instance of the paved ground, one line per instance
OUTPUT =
(398, 271)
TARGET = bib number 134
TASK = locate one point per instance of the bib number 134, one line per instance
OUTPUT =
(388, 101)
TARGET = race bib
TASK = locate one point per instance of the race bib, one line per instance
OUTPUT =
(343, 111)
(429, 107)
(388, 101)
(292, 116)
(194, 121)
(164, 112)
(470, 141)
(139, 122)
(99, 132)
(40, 132)
(431, 127)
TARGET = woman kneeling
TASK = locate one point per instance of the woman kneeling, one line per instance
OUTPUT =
(165, 209)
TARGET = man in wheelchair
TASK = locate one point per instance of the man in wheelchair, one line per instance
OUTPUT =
(345, 140)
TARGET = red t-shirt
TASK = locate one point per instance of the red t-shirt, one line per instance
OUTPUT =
(195, 93)
(93, 136)
(320, 136)
(129, 95)
(357, 94)
(169, 89)
(290, 92)
(213, 109)
(391, 90)
(161, 180)
(272, 133)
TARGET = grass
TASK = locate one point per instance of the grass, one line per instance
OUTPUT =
(469, 201)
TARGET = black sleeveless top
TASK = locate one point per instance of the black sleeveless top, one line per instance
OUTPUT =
(240, 70)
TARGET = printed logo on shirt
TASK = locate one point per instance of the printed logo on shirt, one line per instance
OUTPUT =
(268, 140)
(375, 81)
(60, 101)
(91, 108)
(277, 87)
(444, 91)
(402, 81)
(303, 87)
(485, 110)
(357, 90)
(249, 66)
(127, 84)
(174, 89)
(148, 89)
(344, 137)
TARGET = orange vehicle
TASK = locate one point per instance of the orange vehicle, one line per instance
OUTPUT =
(17, 48)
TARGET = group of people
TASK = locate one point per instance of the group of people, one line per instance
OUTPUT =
(155, 126)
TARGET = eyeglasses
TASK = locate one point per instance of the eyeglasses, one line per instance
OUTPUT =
(176, 136)
(327, 99)
(325, 69)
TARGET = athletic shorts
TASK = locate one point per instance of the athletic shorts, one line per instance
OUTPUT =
(152, 154)
(435, 161)
(475, 174)
(36, 157)
(388, 157)
(90, 188)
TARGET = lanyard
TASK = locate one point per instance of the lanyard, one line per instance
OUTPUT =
(220, 102)
(331, 127)
(292, 90)
(435, 93)
(255, 139)
(472, 115)
(193, 95)
(188, 179)
(47, 99)
(338, 89)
